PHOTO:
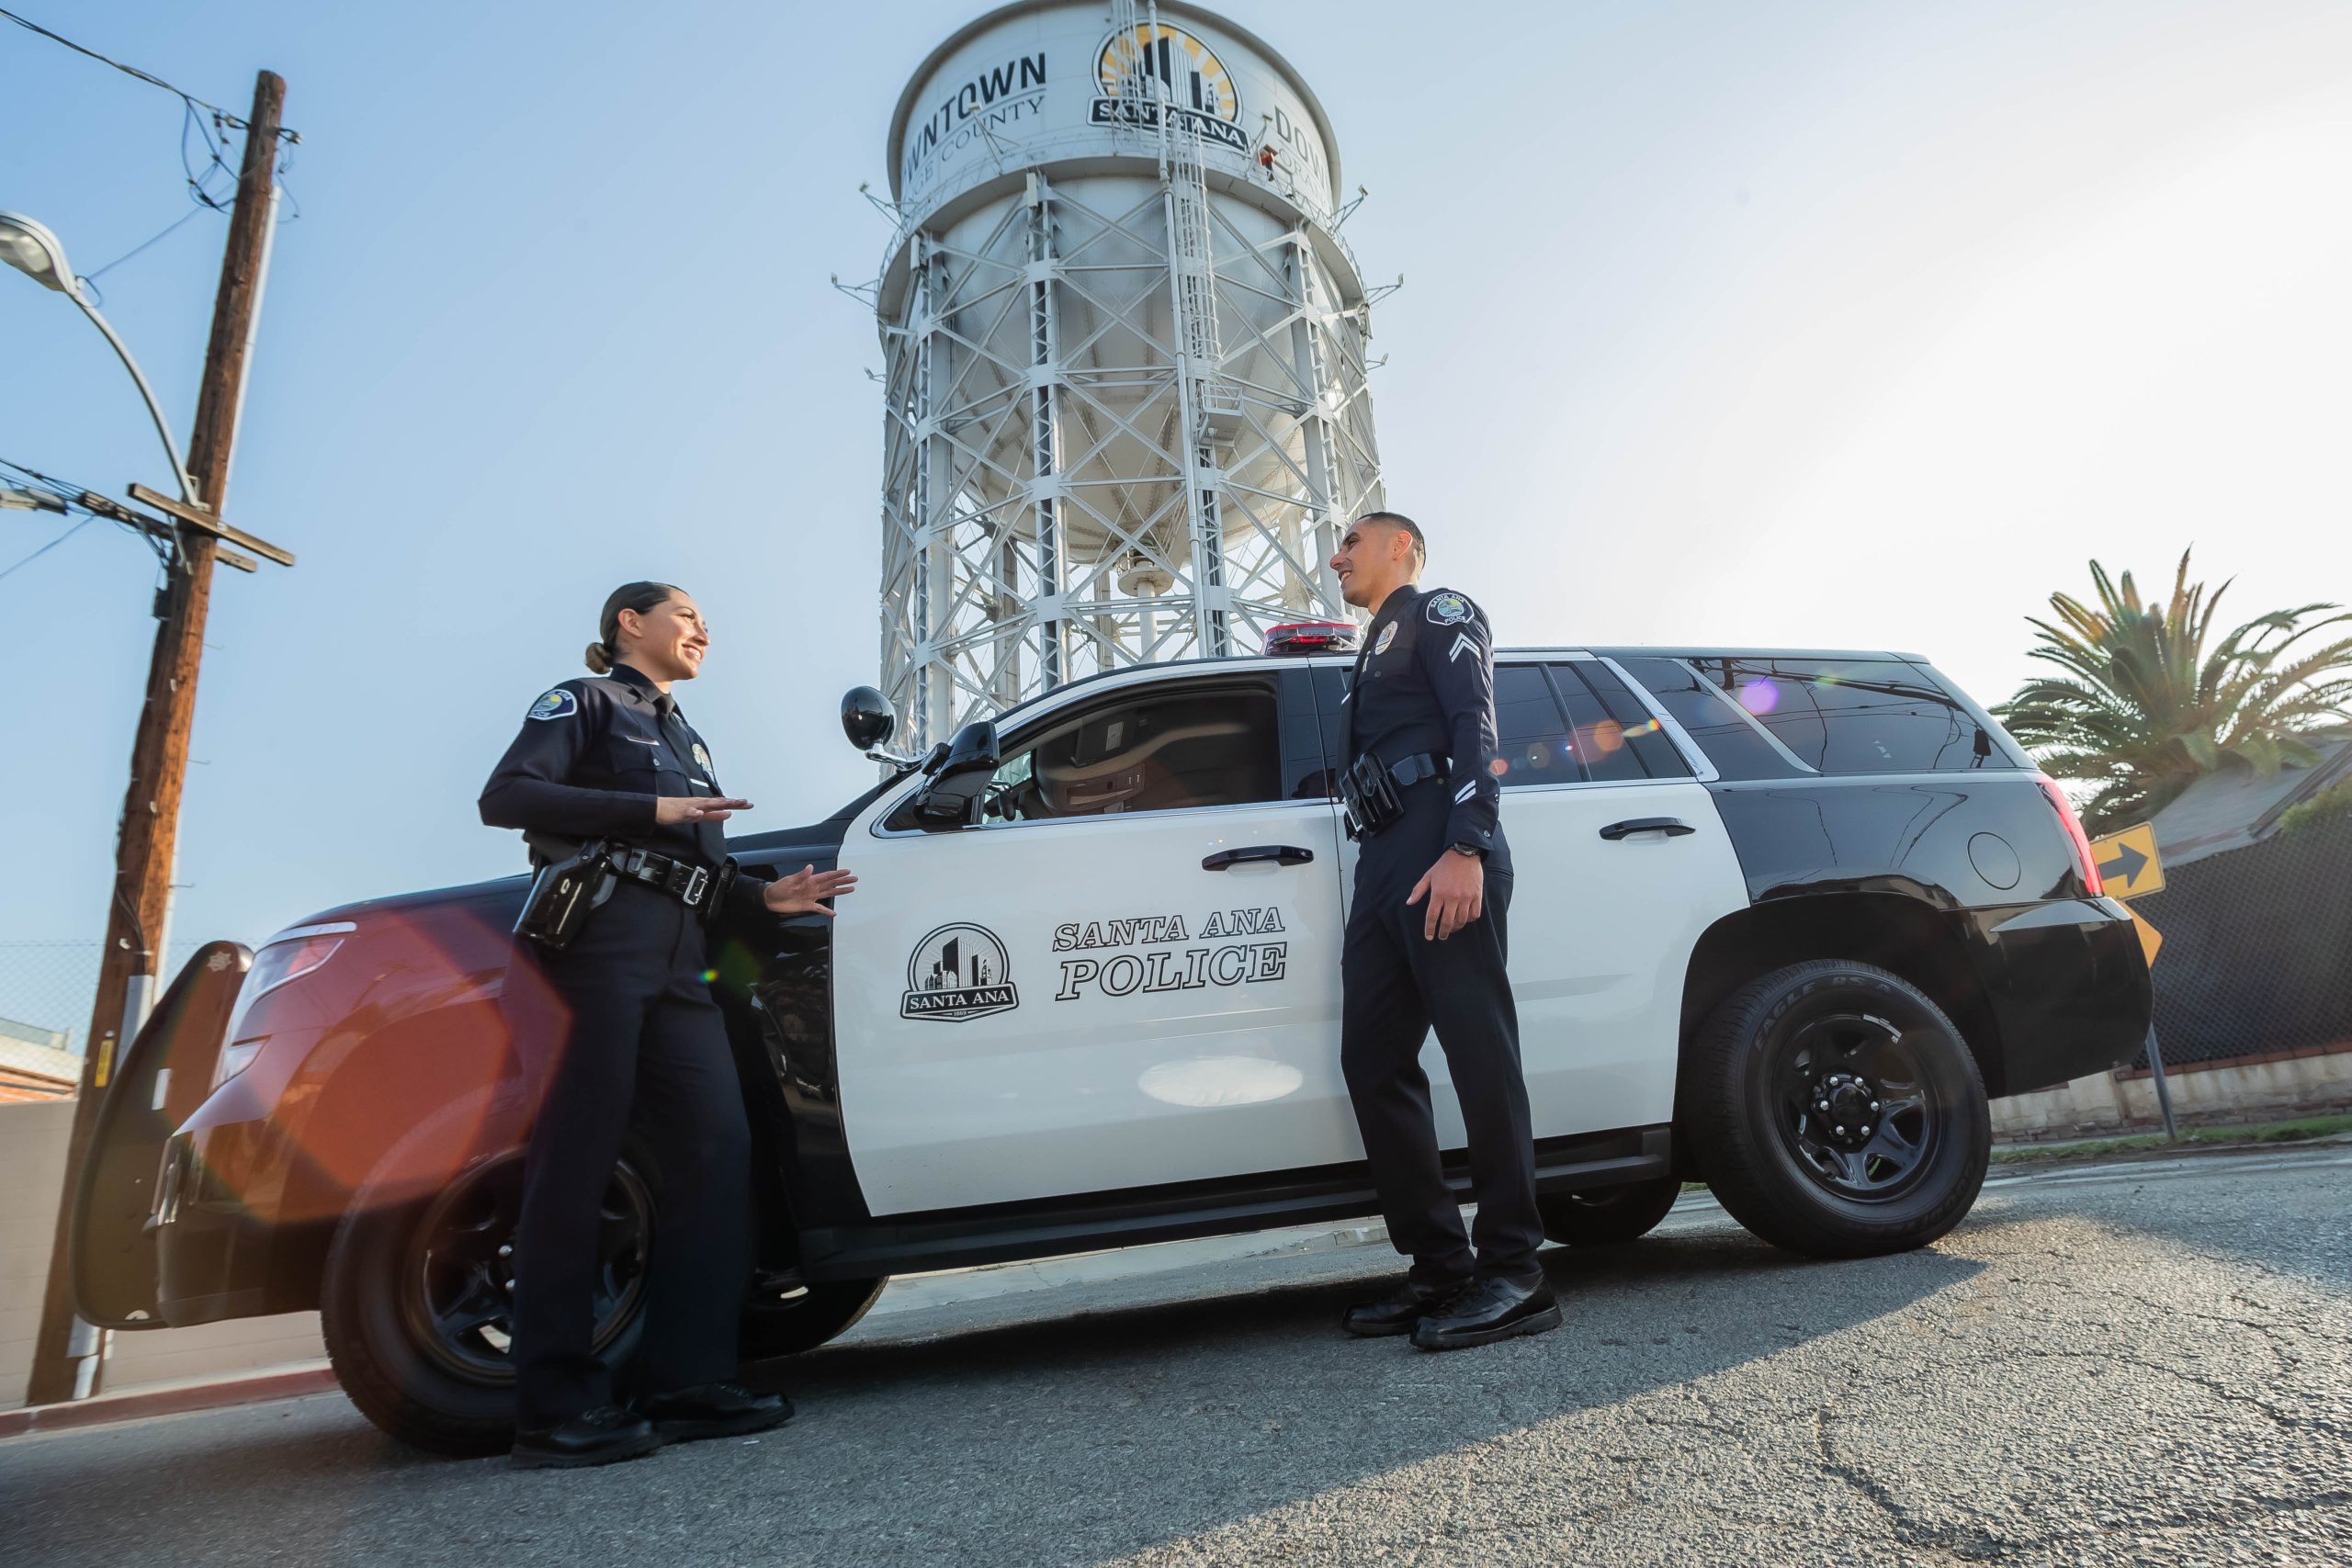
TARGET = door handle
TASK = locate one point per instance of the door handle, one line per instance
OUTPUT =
(1672, 827)
(1281, 854)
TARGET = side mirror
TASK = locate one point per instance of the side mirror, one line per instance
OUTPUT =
(866, 718)
(952, 799)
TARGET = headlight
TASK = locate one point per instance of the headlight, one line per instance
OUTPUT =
(287, 959)
(283, 959)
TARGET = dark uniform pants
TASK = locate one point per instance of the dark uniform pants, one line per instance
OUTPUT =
(629, 1036)
(1396, 985)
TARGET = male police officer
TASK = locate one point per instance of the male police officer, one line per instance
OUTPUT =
(1425, 946)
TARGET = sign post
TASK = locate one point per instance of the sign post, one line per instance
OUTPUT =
(2131, 868)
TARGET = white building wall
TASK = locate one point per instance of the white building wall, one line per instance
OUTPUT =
(32, 1177)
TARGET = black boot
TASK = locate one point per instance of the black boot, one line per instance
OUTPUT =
(1396, 1312)
(602, 1435)
(1489, 1309)
(715, 1410)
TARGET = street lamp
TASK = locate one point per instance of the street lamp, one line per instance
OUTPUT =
(31, 249)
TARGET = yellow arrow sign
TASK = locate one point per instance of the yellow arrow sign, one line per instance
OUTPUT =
(2127, 862)
(2150, 938)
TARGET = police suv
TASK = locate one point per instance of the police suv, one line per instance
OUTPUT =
(1784, 920)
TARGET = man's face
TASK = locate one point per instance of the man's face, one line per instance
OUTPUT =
(672, 638)
(1372, 560)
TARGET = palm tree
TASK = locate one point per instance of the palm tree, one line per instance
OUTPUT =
(2144, 709)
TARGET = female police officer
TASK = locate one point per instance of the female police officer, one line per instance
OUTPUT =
(622, 1022)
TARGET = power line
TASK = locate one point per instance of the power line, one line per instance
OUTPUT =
(219, 114)
(71, 497)
(51, 545)
(169, 228)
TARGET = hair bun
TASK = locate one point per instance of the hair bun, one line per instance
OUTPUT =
(599, 662)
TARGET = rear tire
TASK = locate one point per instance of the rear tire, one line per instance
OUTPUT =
(1608, 1216)
(1837, 1112)
(804, 1319)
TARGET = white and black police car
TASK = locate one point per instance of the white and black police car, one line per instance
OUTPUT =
(1784, 920)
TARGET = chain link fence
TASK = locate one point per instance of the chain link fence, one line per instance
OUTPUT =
(47, 988)
(2258, 948)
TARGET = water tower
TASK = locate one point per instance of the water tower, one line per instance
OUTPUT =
(1125, 353)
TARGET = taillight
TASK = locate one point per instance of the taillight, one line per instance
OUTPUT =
(2075, 834)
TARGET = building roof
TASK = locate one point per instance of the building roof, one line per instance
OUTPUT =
(2237, 807)
(34, 1063)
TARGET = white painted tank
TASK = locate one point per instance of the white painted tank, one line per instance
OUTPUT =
(1126, 354)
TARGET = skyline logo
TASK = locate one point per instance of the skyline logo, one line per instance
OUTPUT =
(1179, 75)
(959, 971)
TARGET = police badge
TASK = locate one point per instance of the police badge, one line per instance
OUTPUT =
(1388, 636)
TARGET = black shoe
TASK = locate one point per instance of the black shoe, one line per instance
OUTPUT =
(715, 1410)
(603, 1435)
(1489, 1309)
(1398, 1311)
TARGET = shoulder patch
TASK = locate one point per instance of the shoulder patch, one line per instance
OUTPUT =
(1447, 608)
(558, 704)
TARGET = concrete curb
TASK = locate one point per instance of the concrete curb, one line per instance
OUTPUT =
(135, 1403)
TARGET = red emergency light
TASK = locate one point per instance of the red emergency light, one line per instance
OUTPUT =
(1311, 636)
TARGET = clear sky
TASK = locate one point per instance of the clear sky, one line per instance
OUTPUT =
(1801, 324)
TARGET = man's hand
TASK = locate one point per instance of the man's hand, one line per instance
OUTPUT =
(1456, 890)
(797, 894)
(669, 810)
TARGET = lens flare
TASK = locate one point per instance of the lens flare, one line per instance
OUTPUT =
(1760, 696)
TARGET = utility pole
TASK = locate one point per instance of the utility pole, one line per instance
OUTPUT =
(65, 1354)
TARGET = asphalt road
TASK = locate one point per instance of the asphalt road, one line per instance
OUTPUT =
(2147, 1364)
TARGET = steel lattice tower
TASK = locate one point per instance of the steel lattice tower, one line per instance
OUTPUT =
(1125, 355)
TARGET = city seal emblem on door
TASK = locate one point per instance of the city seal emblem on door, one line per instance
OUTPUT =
(959, 971)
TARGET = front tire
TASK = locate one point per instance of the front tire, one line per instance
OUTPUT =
(414, 1300)
(1836, 1111)
(1608, 1216)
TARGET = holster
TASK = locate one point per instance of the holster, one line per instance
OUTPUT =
(1368, 797)
(564, 893)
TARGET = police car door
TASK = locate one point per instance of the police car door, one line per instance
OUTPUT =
(1604, 910)
(1623, 862)
(1126, 975)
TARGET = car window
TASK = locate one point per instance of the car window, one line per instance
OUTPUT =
(1714, 718)
(1152, 749)
(1853, 715)
(1635, 737)
(1598, 735)
(1533, 742)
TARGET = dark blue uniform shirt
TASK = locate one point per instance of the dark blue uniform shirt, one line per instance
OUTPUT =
(1425, 683)
(593, 756)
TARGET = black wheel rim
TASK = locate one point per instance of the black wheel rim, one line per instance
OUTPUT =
(456, 1283)
(1856, 1106)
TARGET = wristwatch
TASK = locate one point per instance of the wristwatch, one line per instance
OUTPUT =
(1473, 851)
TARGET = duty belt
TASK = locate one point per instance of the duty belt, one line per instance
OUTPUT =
(681, 879)
(1370, 789)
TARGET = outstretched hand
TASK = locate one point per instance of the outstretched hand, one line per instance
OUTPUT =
(1456, 890)
(798, 894)
(669, 810)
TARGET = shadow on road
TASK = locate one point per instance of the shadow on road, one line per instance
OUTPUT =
(1069, 1438)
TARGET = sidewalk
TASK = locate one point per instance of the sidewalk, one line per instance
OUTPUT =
(171, 1399)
